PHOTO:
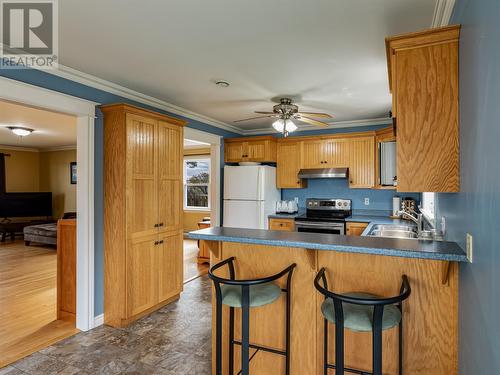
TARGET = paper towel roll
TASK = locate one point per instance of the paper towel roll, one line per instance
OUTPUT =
(396, 205)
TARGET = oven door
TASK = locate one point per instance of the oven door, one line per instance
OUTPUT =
(329, 228)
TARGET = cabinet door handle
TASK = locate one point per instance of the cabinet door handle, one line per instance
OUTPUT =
(156, 225)
(156, 243)
(160, 242)
(160, 225)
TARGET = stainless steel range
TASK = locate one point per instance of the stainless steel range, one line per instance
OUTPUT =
(324, 216)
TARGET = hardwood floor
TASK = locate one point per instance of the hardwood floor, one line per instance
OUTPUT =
(175, 340)
(192, 269)
(28, 277)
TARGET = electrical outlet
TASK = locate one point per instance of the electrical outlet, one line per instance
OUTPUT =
(443, 225)
(367, 201)
(468, 241)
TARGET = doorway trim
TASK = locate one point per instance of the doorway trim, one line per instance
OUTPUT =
(215, 152)
(84, 111)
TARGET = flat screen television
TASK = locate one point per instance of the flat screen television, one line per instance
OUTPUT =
(25, 204)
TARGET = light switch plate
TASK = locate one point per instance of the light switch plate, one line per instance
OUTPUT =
(468, 240)
(367, 201)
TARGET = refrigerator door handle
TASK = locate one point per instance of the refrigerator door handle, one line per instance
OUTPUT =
(259, 184)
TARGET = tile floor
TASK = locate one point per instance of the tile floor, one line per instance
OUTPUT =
(174, 340)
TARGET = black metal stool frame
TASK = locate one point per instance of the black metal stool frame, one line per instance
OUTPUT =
(245, 317)
(378, 311)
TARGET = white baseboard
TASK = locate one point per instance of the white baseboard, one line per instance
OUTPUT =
(98, 320)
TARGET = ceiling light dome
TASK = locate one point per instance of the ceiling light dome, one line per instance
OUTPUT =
(284, 126)
(20, 131)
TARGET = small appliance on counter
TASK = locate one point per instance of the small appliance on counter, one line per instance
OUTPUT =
(287, 207)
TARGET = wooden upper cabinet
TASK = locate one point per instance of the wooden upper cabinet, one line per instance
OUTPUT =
(170, 194)
(288, 166)
(361, 162)
(257, 149)
(313, 153)
(142, 135)
(423, 78)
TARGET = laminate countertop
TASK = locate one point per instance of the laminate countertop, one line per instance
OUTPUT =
(406, 248)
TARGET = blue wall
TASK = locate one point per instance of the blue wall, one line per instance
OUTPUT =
(476, 208)
(339, 188)
(52, 82)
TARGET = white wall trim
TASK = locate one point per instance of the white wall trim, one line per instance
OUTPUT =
(113, 88)
(442, 13)
(215, 157)
(84, 110)
(332, 125)
(99, 320)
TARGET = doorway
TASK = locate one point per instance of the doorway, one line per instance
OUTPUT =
(83, 112)
(200, 198)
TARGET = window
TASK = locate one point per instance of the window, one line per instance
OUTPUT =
(197, 184)
(428, 206)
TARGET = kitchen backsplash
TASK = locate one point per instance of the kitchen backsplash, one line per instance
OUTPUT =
(339, 188)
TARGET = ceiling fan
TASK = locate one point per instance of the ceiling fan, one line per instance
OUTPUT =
(285, 112)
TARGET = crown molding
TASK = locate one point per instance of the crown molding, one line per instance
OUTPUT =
(331, 125)
(58, 148)
(113, 88)
(19, 148)
(442, 13)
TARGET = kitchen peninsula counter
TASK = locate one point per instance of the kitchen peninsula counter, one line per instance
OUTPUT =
(372, 265)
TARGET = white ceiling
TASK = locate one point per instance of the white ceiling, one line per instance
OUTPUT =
(51, 130)
(328, 55)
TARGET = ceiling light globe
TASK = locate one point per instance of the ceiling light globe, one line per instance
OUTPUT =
(21, 132)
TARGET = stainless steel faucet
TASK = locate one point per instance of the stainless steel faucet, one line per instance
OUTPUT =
(415, 217)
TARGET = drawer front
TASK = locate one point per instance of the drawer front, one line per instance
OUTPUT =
(282, 224)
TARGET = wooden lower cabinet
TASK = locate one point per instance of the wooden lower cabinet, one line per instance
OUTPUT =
(66, 270)
(170, 265)
(355, 228)
(282, 224)
(141, 275)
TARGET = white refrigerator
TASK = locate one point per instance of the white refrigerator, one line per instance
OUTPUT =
(250, 195)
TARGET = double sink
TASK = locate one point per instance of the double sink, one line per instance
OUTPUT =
(394, 231)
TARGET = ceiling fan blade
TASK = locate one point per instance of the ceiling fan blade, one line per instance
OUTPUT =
(315, 114)
(254, 118)
(265, 113)
(311, 121)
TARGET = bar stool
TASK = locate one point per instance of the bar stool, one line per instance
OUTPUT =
(245, 294)
(360, 312)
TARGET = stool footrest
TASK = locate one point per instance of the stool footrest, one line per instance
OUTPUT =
(263, 348)
(351, 370)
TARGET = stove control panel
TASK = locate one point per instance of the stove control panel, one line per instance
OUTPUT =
(328, 204)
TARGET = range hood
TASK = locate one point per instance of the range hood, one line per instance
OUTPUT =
(324, 173)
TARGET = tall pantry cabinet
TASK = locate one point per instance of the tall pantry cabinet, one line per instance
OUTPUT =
(143, 227)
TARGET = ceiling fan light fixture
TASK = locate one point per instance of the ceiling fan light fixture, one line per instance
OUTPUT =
(20, 131)
(279, 125)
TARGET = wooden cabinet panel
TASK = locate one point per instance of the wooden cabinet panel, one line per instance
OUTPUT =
(355, 228)
(66, 270)
(142, 291)
(170, 265)
(170, 192)
(336, 152)
(258, 149)
(313, 155)
(361, 154)
(142, 189)
(424, 71)
(287, 225)
(233, 152)
(141, 175)
(288, 166)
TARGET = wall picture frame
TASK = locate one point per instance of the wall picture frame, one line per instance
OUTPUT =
(72, 172)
